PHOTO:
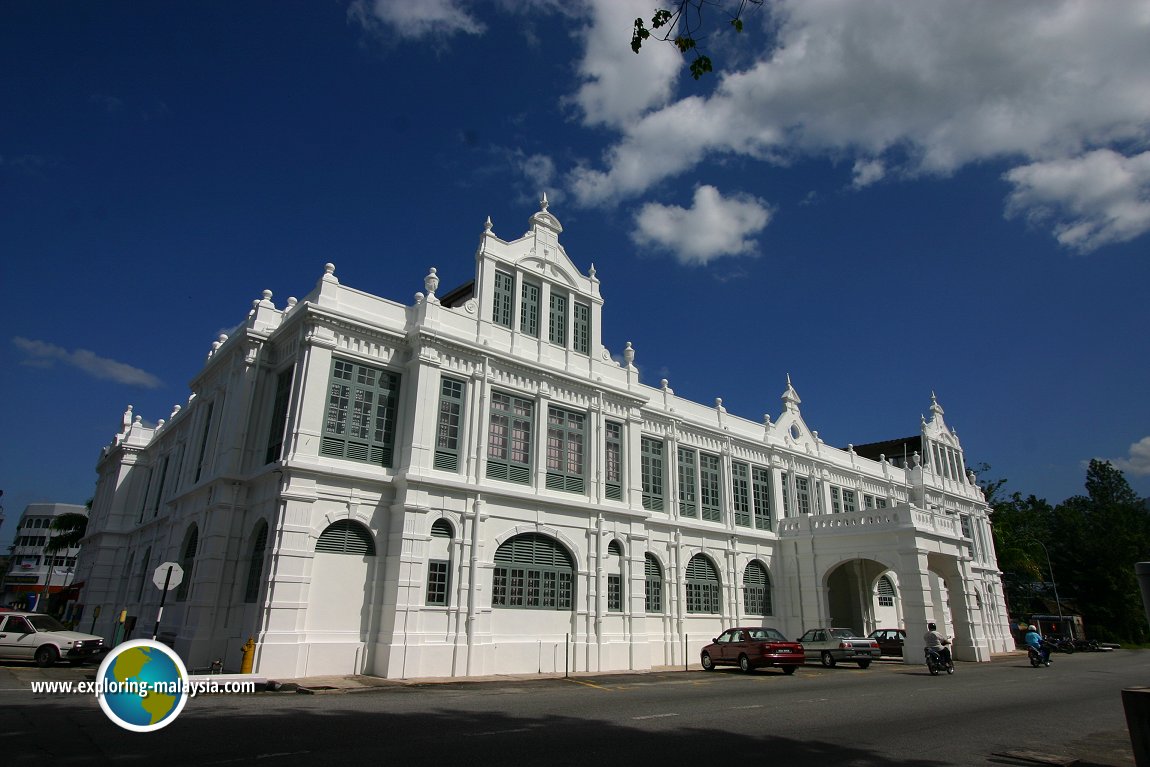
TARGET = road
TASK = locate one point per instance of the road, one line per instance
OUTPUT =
(890, 714)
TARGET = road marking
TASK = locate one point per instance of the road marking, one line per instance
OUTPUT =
(741, 708)
(497, 732)
(588, 684)
(653, 716)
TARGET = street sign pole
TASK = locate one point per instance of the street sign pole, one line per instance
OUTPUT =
(163, 598)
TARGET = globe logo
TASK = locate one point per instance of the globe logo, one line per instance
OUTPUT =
(142, 685)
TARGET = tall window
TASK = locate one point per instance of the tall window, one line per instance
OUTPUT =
(761, 496)
(836, 500)
(615, 577)
(447, 428)
(785, 481)
(756, 590)
(613, 459)
(509, 438)
(803, 494)
(710, 487)
(581, 327)
(565, 441)
(651, 472)
(347, 538)
(557, 321)
(688, 473)
(502, 299)
(361, 413)
(741, 493)
(439, 563)
(849, 500)
(529, 310)
(187, 562)
(532, 572)
(653, 587)
(204, 441)
(256, 563)
(160, 487)
(144, 574)
(279, 417)
(704, 594)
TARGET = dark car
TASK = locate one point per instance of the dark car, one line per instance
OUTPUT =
(752, 647)
(890, 641)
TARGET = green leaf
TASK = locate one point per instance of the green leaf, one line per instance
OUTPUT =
(737, 24)
(660, 18)
(639, 35)
(700, 66)
(684, 43)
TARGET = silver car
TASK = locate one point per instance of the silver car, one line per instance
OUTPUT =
(833, 645)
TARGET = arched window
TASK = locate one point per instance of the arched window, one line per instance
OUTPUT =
(439, 562)
(704, 594)
(653, 595)
(757, 589)
(346, 537)
(191, 543)
(614, 566)
(256, 564)
(885, 592)
(533, 571)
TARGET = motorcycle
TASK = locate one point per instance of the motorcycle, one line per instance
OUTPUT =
(1036, 658)
(935, 663)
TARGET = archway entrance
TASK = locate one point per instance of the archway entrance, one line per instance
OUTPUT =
(850, 594)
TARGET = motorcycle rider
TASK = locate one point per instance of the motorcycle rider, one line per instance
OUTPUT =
(934, 639)
(1033, 640)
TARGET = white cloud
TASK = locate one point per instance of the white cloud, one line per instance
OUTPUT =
(1093, 200)
(416, 19)
(619, 85)
(924, 88)
(713, 227)
(867, 172)
(1138, 463)
(45, 354)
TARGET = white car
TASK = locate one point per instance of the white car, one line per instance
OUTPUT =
(43, 639)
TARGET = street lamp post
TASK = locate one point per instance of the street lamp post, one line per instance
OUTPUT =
(1050, 568)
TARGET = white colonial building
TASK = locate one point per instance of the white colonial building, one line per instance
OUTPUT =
(471, 484)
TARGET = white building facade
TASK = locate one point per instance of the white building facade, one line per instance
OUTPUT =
(471, 484)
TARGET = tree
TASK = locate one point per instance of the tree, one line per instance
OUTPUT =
(68, 529)
(682, 23)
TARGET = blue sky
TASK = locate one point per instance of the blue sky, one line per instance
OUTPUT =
(880, 199)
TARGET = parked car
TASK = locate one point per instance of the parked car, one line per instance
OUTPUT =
(43, 639)
(890, 641)
(752, 647)
(834, 645)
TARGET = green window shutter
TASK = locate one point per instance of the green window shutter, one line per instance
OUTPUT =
(529, 310)
(346, 537)
(502, 299)
(710, 487)
(785, 479)
(651, 472)
(279, 417)
(565, 450)
(256, 563)
(361, 414)
(613, 460)
(761, 495)
(509, 438)
(581, 327)
(688, 471)
(653, 592)
(704, 594)
(756, 590)
(741, 493)
(448, 425)
(803, 494)
(532, 571)
(557, 320)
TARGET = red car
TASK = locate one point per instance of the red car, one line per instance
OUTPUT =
(752, 647)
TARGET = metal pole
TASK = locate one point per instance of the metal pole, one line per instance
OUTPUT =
(163, 598)
(567, 656)
(1053, 583)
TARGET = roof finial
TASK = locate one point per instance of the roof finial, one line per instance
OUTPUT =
(543, 203)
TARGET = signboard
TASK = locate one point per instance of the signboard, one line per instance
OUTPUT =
(161, 578)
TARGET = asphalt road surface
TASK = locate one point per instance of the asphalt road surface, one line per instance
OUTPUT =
(889, 714)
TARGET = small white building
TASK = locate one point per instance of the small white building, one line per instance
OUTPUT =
(34, 573)
(471, 484)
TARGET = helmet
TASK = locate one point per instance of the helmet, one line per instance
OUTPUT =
(930, 627)
(1031, 627)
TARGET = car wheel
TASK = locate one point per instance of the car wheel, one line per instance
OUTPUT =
(46, 656)
(788, 670)
(864, 663)
(745, 664)
(828, 659)
(708, 664)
